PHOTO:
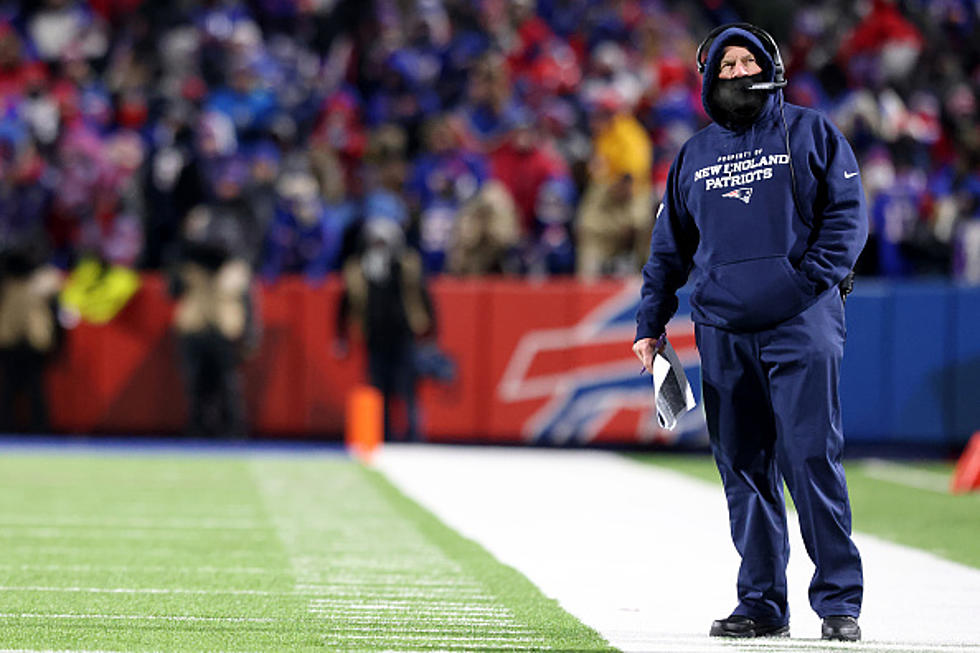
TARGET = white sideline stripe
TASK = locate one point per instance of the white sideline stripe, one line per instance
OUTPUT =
(921, 479)
(651, 549)
(137, 617)
(788, 645)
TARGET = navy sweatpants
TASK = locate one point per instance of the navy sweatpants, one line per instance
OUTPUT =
(773, 412)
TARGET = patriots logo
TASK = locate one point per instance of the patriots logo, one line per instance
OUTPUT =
(602, 389)
(744, 194)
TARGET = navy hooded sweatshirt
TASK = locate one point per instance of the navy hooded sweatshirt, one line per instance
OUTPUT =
(728, 219)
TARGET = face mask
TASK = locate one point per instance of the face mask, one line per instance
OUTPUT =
(733, 98)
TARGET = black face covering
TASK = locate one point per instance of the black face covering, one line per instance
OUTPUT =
(733, 99)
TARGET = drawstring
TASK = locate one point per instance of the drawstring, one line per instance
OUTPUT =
(792, 168)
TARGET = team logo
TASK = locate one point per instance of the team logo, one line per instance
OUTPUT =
(744, 194)
(601, 390)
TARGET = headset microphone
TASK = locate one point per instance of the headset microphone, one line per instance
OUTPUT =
(767, 86)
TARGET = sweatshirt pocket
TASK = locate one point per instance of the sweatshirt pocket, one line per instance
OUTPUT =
(751, 294)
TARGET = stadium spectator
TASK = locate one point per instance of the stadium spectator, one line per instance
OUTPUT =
(446, 176)
(486, 234)
(386, 298)
(302, 238)
(549, 249)
(385, 172)
(524, 163)
(613, 222)
(490, 102)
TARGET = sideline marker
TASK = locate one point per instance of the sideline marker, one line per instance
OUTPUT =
(966, 476)
(364, 429)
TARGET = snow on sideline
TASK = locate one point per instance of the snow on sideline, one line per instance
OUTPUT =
(643, 555)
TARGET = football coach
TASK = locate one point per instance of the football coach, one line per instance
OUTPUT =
(764, 210)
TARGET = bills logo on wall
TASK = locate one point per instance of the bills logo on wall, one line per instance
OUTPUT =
(588, 382)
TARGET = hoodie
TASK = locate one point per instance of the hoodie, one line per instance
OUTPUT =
(729, 221)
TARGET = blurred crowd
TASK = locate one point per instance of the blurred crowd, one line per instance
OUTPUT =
(527, 137)
(390, 141)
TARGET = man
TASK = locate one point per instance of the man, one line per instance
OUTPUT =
(385, 295)
(764, 208)
(214, 319)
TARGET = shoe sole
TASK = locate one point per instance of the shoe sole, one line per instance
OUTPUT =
(831, 635)
(779, 631)
(827, 637)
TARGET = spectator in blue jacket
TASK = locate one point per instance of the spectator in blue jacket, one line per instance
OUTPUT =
(300, 238)
(764, 209)
(445, 177)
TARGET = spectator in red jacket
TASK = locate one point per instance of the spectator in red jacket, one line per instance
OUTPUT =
(523, 162)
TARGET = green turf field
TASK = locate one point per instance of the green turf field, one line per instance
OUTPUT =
(222, 552)
(908, 503)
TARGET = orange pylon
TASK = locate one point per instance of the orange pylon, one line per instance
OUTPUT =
(966, 476)
(364, 429)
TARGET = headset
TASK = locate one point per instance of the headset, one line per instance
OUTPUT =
(768, 42)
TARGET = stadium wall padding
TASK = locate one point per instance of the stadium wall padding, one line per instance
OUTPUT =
(537, 361)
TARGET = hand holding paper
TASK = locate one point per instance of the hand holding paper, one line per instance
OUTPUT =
(671, 388)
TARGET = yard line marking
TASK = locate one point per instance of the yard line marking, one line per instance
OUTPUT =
(437, 631)
(394, 620)
(407, 605)
(34, 650)
(426, 599)
(136, 523)
(383, 582)
(144, 568)
(456, 647)
(921, 479)
(479, 641)
(144, 590)
(357, 609)
(138, 617)
(148, 551)
(75, 533)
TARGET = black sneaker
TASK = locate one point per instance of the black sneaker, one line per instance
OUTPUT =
(739, 626)
(843, 628)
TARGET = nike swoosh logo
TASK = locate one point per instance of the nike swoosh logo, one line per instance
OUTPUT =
(848, 175)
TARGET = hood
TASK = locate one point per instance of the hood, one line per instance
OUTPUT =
(734, 36)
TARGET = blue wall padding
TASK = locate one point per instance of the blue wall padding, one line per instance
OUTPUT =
(867, 381)
(965, 402)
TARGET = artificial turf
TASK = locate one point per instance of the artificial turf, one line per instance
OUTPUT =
(904, 502)
(235, 552)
